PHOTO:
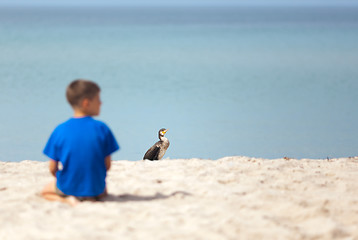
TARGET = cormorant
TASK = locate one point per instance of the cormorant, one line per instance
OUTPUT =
(157, 151)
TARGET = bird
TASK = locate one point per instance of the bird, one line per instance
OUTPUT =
(157, 151)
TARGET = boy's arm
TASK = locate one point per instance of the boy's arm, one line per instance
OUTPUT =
(53, 166)
(107, 162)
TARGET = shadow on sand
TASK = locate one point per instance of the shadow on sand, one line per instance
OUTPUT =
(137, 198)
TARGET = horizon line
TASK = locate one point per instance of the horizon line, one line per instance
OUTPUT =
(303, 4)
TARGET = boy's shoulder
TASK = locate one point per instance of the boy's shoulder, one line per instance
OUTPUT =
(97, 122)
(81, 123)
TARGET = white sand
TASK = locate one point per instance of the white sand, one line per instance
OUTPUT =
(231, 198)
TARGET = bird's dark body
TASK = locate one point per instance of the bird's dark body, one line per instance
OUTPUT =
(157, 151)
(153, 152)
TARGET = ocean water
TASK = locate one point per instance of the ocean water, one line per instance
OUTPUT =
(259, 82)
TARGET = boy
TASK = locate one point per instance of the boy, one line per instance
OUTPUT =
(83, 147)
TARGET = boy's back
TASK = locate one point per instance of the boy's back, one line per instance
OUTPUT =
(81, 145)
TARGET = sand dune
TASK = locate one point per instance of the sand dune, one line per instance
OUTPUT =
(230, 198)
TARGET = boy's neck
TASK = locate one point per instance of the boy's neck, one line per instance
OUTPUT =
(78, 113)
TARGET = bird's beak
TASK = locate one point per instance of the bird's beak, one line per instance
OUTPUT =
(165, 131)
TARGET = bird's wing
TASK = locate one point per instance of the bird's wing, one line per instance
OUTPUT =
(152, 153)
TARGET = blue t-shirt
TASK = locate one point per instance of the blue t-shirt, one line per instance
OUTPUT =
(81, 145)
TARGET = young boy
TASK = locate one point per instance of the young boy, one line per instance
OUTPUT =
(83, 147)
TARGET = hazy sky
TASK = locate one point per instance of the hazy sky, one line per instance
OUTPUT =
(173, 2)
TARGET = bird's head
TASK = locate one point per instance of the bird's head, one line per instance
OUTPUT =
(162, 132)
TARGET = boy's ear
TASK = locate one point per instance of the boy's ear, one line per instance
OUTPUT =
(85, 102)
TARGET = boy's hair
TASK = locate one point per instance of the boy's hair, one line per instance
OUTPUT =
(81, 89)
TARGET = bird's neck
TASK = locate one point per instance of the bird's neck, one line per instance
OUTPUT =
(164, 139)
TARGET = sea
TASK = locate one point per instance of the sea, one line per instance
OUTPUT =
(264, 82)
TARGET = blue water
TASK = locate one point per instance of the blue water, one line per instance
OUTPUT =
(260, 82)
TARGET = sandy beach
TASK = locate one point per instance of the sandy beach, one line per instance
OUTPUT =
(229, 198)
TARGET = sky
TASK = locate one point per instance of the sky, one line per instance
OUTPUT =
(174, 2)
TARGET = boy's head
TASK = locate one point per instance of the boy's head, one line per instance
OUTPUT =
(80, 92)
